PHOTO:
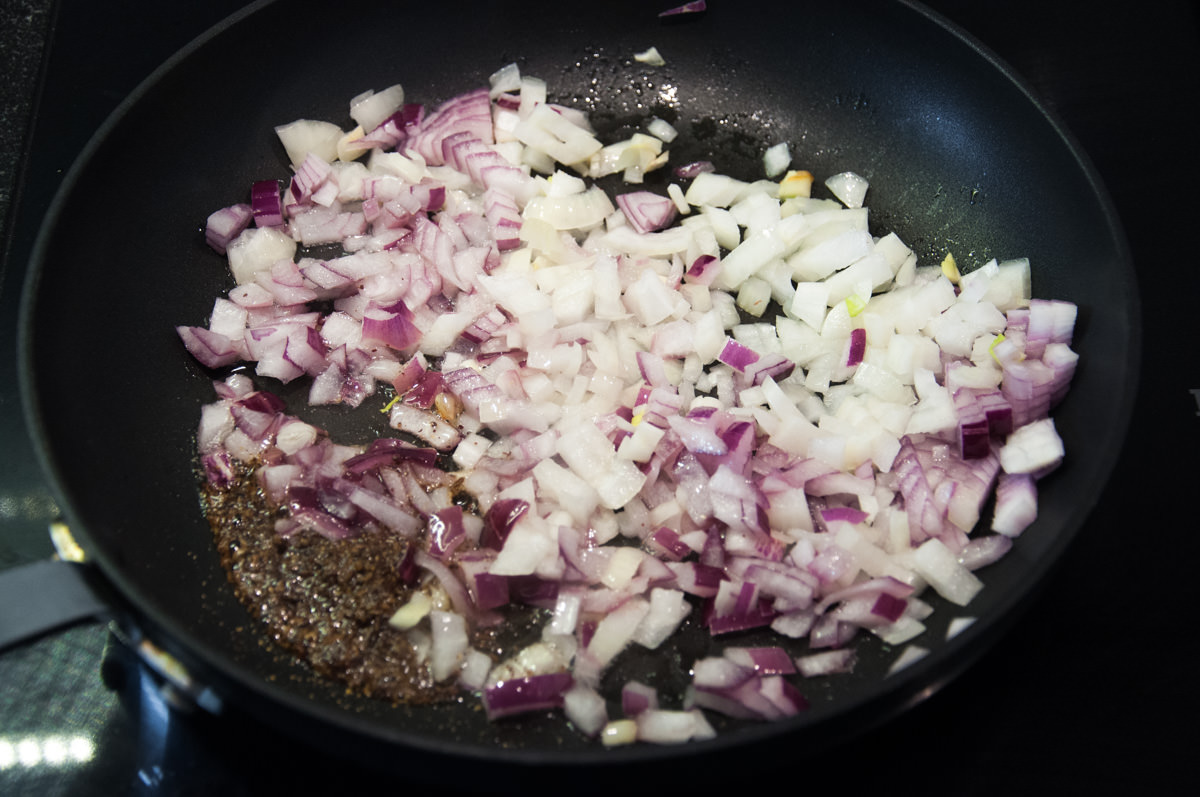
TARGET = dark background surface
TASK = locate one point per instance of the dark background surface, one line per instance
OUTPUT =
(1094, 690)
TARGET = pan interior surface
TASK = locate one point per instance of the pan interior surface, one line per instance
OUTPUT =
(959, 158)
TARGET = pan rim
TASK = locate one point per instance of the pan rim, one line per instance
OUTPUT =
(247, 679)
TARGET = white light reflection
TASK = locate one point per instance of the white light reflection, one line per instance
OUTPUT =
(8, 755)
(50, 751)
(54, 751)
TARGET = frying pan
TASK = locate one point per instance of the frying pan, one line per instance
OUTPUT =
(959, 155)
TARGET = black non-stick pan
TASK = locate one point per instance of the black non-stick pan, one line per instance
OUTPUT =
(959, 155)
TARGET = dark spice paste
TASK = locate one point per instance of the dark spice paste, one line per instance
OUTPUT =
(326, 601)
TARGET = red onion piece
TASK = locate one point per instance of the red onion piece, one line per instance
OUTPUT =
(690, 170)
(694, 7)
(703, 270)
(490, 590)
(524, 695)
(445, 532)
(266, 204)
(858, 346)
(211, 349)
(844, 514)
(394, 130)
(470, 112)
(889, 607)
(769, 660)
(392, 326)
(737, 355)
(983, 551)
(226, 224)
(499, 520)
(1016, 503)
(637, 697)
(647, 211)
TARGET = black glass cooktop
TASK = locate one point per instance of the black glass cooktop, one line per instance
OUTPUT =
(1076, 698)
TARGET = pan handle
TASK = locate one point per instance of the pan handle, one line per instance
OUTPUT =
(44, 596)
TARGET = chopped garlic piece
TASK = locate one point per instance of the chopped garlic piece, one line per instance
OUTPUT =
(346, 149)
(950, 268)
(411, 613)
(618, 732)
(796, 184)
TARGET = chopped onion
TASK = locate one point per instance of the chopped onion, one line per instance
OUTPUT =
(647, 211)
(651, 57)
(849, 187)
(694, 7)
(371, 109)
(662, 129)
(777, 159)
(225, 225)
(522, 695)
(663, 726)
(757, 415)
(1035, 447)
(1016, 503)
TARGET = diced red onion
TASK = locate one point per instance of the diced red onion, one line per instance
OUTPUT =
(858, 346)
(1016, 503)
(212, 349)
(445, 532)
(702, 429)
(694, 7)
(490, 590)
(525, 695)
(647, 211)
(637, 697)
(737, 356)
(983, 551)
(499, 520)
(266, 204)
(763, 660)
(690, 170)
(225, 225)
(392, 326)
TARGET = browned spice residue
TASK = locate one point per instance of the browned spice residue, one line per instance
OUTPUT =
(326, 601)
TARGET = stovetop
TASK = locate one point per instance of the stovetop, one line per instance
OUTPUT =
(1078, 695)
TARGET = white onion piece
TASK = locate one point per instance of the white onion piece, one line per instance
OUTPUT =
(256, 250)
(1034, 447)
(849, 187)
(662, 129)
(585, 707)
(668, 608)
(664, 726)
(505, 79)
(650, 56)
(370, 109)
(714, 190)
(309, 136)
(546, 130)
(776, 159)
(475, 668)
(938, 565)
